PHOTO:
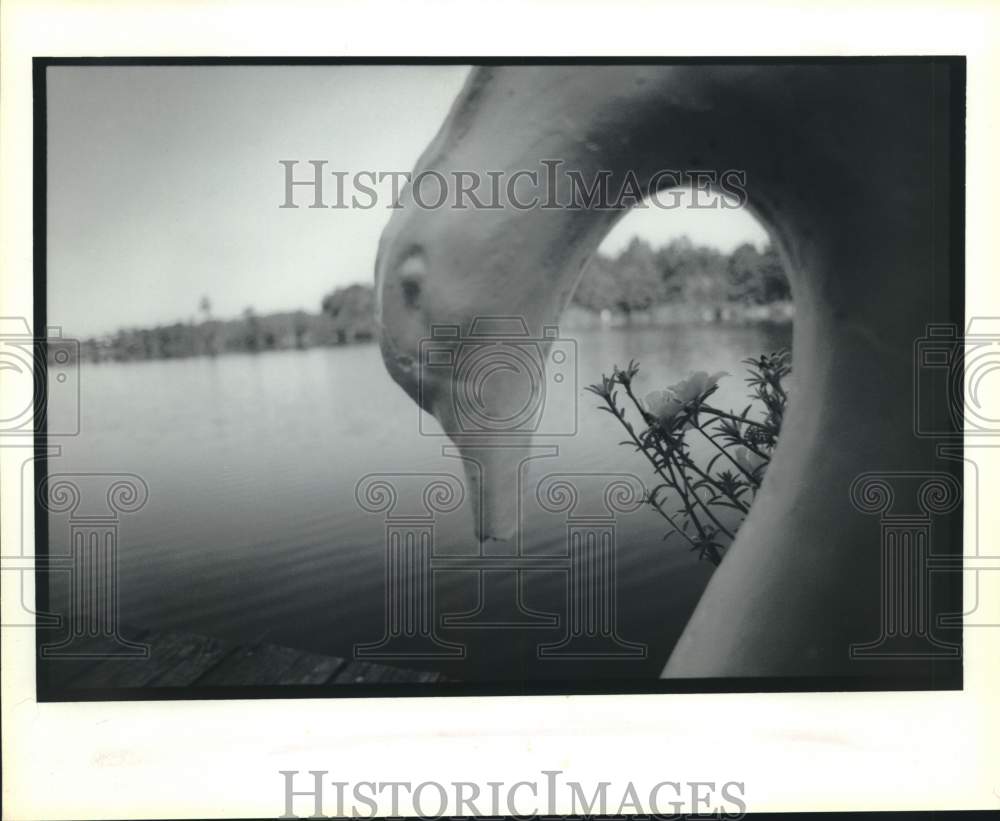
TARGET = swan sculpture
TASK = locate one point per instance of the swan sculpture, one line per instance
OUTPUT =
(849, 168)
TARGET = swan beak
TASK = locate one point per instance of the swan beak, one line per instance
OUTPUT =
(493, 468)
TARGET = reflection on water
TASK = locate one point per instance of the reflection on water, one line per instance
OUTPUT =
(252, 530)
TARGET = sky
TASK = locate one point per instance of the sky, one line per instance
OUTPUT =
(165, 184)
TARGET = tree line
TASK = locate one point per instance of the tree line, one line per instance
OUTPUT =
(637, 279)
(642, 277)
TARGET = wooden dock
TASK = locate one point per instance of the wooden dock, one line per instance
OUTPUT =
(187, 660)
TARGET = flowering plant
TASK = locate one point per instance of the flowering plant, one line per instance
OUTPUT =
(725, 486)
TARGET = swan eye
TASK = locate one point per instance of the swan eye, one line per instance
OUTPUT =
(411, 274)
(411, 291)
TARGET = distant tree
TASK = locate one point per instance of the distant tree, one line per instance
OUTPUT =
(692, 273)
(207, 333)
(252, 335)
(774, 278)
(352, 310)
(684, 273)
(744, 275)
(598, 289)
(757, 278)
(638, 278)
(300, 326)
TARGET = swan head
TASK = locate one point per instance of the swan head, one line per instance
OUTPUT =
(444, 334)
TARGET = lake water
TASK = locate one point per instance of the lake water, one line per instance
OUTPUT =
(252, 530)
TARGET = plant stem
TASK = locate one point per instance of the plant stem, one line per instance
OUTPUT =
(726, 453)
(701, 501)
(619, 414)
(646, 417)
(658, 509)
(687, 488)
(724, 415)
(672, 481)
(735, 500)
(775, 382)
(670, 459)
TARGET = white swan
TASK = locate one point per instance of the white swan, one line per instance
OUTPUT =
(848, 167)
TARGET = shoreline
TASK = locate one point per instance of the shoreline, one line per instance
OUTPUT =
(138, 345)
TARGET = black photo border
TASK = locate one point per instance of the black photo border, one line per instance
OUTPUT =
(46, 692)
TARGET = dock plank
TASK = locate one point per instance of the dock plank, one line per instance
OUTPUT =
(175, 660)
(179, 659)
(260, 664)
(88, 656)
(311, 669)
(192, 657)
(367, 672)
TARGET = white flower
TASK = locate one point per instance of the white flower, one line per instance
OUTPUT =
(666, 404)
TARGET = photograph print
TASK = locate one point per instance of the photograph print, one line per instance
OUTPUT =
(485, 377)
